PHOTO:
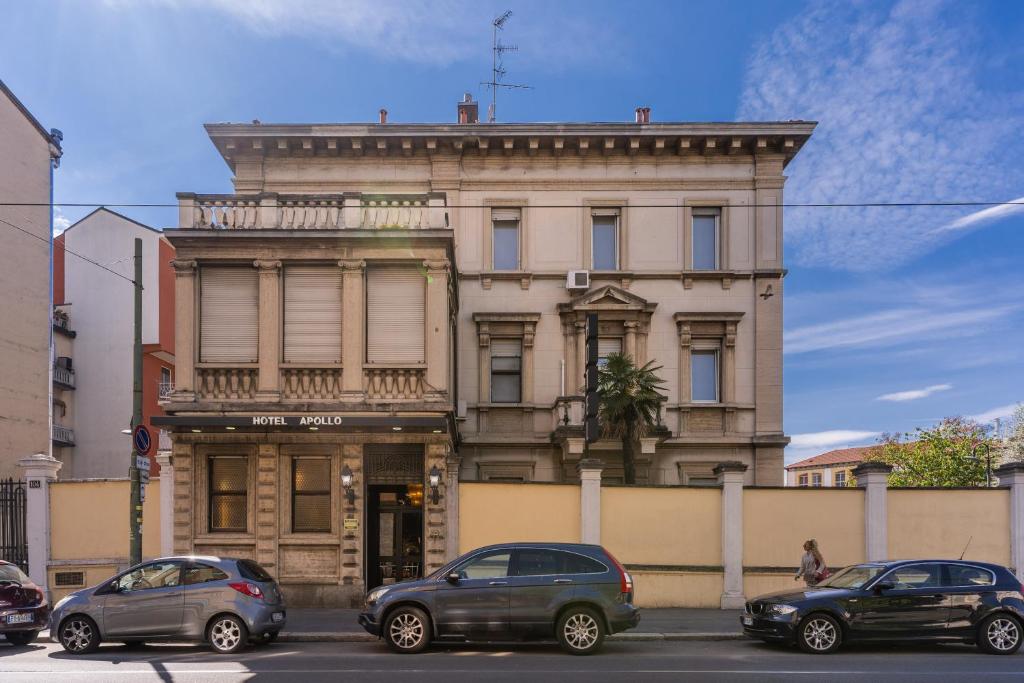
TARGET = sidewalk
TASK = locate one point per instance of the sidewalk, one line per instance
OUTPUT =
(339, 625)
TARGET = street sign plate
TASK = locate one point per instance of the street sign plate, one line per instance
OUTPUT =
(142, 463)
(143, 439)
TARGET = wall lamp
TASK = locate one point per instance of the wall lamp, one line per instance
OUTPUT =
(435, 482)
(346, 483)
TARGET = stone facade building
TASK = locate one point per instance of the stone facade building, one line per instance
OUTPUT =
(381, 310)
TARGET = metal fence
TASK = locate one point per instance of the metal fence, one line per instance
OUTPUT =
(13, 539)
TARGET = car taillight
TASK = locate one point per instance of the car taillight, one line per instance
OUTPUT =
(246, 588)
(40, 597)
(625, 580)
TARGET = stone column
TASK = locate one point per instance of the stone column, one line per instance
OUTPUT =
(452, 465)
(1012, 474)
(352, 539)
(874, 478)
(483, 363)
(578, 378)
(353, 309)
(529, 332)
(631, 350)
(730, 478)
(270, 330)
(267, 474)
(435, 543)
(184, 524)
(163, 458)
(185, 329)
(729, 363)
(437, 351)
(39, 470)
(590, 499)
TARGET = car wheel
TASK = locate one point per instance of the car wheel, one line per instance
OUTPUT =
(79, 635)
(999, 634)
(407, 630)
(580, 631)
(21, 638)
(227, 634)
(819, 634)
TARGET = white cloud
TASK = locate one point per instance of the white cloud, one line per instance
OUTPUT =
(989, 215)
(60, 221)
(994, 413)
(904, 116)
(914, 394)
(831, 438)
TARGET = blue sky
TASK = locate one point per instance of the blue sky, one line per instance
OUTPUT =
(894, 317)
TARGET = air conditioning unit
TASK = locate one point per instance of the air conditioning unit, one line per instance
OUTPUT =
(578, 279)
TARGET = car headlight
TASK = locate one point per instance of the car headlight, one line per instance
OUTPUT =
(376, 595)
(60, 603)
(782, 610)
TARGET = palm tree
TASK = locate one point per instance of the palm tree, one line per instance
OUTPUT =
(629, 405)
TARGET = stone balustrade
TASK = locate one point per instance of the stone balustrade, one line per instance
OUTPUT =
(390, 382)
(351, 211)
(567, 411)
(226, 382)
(311, 383)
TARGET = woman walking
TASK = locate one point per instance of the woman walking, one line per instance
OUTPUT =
(812, 565)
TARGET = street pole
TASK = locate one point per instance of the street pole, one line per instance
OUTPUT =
(135, 514)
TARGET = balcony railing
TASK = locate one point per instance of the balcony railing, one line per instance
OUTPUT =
(568, 411)
(63, 436)
(164, 390)
(350, 211)
(63, 376)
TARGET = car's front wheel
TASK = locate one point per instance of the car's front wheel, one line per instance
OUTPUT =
(999, 634)
(227, 634)
(580, 631)
(21, 638)
(79, 635)
(819, 634)
(407, 630)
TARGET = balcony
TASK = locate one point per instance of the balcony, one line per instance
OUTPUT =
(349, 211)
(63, 376)
(63, 436)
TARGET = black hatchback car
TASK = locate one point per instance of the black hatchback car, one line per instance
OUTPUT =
(519, 591)
(952, 600)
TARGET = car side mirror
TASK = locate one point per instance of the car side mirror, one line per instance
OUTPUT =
(883, 586)
(453, 578)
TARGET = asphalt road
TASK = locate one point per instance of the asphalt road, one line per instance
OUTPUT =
(640, 661)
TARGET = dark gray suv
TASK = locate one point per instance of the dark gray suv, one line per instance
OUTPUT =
(515, 591)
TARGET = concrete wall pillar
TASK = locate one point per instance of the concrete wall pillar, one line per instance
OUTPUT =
(590, 499)
(269, 330)
(1012, 474)
(38, 470)
(163, 458)
(730, 478)
(874, 478)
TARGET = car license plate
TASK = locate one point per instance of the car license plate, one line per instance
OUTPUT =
(748, 621)
(25, 618)
(277, 616)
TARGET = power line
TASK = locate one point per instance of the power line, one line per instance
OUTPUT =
(84, 258)
(787, 205)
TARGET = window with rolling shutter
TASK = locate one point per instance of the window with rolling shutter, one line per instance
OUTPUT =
(229, 315)
(312, 314)
(395, 297)
(506, 370)
(606, 346)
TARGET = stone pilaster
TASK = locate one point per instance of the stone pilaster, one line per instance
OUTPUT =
(874, 478)
(529, 333)
(435, 544)
(185, 329)
(184, 473)
(452, 465)
(267, 518)
(730, 478)
(590, 499)
(352, 331)
(1012, 475)
(352, 539)
(269, 378)
(163, 458)
(436, 352)
(39, 470)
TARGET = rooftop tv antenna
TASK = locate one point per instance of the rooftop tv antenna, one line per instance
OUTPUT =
(497, 67)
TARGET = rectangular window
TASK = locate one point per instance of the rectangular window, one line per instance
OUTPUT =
(506, 370)
(229, 486)
(606, 346)
(706, 224)
(816, 479)
(803, 480)
(704, 375)
(311, 494)
(312, 314)
(605, 239)
(228, 315)
(505, 238)
(840, 478)
(395, 298)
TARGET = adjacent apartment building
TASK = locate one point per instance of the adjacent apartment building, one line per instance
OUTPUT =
(28, 155)
(96, 308)
(834, 468)
(379, 311)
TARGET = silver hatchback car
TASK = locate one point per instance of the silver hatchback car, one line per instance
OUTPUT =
(225, 602)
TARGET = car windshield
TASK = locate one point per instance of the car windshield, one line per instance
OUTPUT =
(10, 572)
(853, 577)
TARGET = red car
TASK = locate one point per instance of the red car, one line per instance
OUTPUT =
(23, 607)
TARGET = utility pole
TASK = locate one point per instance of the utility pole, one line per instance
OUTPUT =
(135, 514)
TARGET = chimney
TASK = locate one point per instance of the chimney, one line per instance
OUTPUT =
(643, 115)
(469, 111)
(383, 116)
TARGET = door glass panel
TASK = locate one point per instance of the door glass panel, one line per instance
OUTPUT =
(156, 575)
(969, 576)
(578, 564)
(915, 576)
(532, 562)
(387, 534)
(491, 566)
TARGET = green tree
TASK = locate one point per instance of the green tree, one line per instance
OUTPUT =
(943, 455)
(1013, 448)
(630, 402)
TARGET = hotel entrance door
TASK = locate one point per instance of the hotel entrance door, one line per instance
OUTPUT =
(394, 533)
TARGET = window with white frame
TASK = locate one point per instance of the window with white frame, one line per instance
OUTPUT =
(802, 480)
(706, 229)
(704, 374)
(506, 370)
(840, 478)
(505, 238)
(605, 239)
(816, 479)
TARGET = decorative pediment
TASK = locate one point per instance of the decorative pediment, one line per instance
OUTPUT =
(607, 298)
